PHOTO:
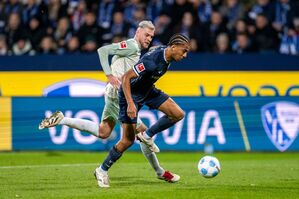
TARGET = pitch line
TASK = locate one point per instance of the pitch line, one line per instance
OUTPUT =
(47, 166)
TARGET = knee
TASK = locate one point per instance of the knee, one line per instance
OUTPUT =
(127, 142)
(103, 135)
(179, 116)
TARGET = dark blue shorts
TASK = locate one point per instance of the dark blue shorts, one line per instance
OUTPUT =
(153, 100)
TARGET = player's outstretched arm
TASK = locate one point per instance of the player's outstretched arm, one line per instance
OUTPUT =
(126, 79)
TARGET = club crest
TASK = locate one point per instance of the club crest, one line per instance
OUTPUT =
(281, 123)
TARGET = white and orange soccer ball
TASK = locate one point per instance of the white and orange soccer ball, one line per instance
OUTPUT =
(209, 166)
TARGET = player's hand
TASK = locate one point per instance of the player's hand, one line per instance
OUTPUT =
(114, 81)
(132, 110)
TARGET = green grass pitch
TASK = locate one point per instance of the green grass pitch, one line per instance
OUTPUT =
(70, 175)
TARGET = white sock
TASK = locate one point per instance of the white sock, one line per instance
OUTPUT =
(106, 172)
(146, 136)
(152, 159)
(82, 125)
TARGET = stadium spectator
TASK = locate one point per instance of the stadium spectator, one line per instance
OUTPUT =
(3, 46)
(265, 7)
(2, 17)
(89, 31)
(119, 27)
(162, 24)
(203, 9)
(47, 45)
(240, 27)
(22, 47)
(177, 11)
(105, 12)
(154, 9)
(90, 45)
(285, 11)
(73, 46)
(30, 10)
(138, 16)
(290, 43)
(264, 38)
(243, 44)
(13, 6)
(130, 7)
(55, 10)
(77, 12)
(35, 32)
(232, 10)
(216, 4)
(212, 29)
(62, 34)
(222, 44)
(190, 28)
(14, 29)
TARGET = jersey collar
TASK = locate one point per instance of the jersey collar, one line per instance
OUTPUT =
(164, 52)
(139, 46)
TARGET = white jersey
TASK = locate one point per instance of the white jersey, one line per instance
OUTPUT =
(126, 55)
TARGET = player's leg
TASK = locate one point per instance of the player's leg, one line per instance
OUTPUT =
(153, 159)
(147, 152)
(58, 118)
(173, 114)
(109, 117)
(101, 173)
(103, 131)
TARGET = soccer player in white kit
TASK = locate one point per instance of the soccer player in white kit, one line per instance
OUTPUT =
(125, 55)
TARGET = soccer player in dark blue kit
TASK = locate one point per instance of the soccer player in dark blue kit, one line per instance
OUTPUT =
(138, 89)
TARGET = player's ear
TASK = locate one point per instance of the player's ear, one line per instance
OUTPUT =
(173, 47)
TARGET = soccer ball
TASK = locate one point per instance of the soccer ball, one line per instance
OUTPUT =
(209, 166)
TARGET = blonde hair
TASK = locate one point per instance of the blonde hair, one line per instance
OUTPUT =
(146, 24)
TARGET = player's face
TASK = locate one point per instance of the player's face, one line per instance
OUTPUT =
(145, 36)
(180, 51)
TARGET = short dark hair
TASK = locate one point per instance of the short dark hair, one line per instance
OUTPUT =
(178, 39)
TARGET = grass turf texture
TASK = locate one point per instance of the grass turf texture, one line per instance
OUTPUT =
(70, 175)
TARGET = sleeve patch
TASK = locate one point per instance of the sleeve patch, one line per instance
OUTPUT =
(123, 45)
(140, 67)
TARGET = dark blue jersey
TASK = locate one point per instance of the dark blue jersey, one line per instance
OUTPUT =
(149, 69)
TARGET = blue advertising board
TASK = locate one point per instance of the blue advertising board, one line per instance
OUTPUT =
(227, 124)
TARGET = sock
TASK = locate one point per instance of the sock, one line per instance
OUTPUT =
(112, 157)
(82, 125)
(162, 124)
(152, 159)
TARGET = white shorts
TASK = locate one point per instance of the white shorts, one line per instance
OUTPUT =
(111, 111)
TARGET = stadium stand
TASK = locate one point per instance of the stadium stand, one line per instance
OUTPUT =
(31, 27)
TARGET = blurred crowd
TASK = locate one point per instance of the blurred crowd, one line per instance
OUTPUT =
(30, 27)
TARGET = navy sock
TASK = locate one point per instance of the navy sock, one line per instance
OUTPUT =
(111, 158)
(162, 124)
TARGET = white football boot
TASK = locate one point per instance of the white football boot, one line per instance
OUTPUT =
(169, 177)
(53, 120)
(149, 142)
(102, 178)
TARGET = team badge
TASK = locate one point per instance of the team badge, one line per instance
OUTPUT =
(140, 67)
(281, 123)
(123, 44)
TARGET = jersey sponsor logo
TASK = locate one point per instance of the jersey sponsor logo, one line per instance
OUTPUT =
(140, 67)
(123, 44)
(281, 123)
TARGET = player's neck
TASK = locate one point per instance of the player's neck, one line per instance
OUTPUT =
(139, 45)
(167, 55)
